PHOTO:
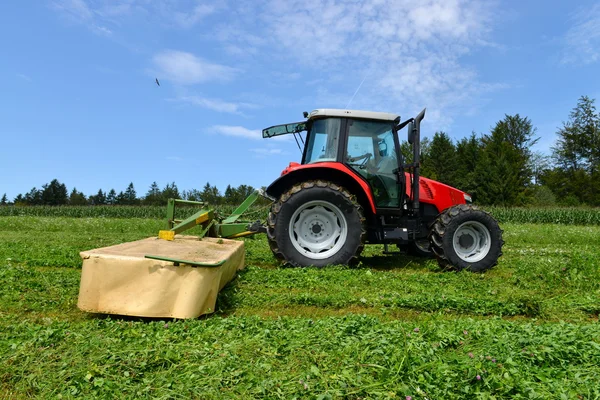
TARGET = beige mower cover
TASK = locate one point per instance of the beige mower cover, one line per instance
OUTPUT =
(119, 280)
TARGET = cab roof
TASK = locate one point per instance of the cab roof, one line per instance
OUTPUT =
(333, 112)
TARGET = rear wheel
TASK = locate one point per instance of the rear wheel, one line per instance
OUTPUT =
(465, 237)
(316, 223)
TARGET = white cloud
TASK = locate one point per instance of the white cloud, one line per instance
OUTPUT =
(262, 152)
(101, 30)
(187, 69)
(76, 8)
(187, 19)
(236, 131)
(582, 40)
(25, 77)
(270, 144)
(215, 104)
(321, 31)
(114, 9)
(78, 11)
(266, 152)
(411, 55)
(240, 42)
(181, 14)
(95, 14)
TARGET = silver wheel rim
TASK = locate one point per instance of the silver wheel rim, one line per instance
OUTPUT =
(472, 241)
(318, 229)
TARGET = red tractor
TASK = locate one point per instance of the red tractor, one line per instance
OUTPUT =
(353, 187)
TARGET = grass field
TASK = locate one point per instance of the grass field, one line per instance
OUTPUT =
(391, 327)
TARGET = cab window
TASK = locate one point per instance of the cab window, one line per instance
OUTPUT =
(323, 140)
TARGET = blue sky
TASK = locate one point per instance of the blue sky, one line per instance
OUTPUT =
(78, 101)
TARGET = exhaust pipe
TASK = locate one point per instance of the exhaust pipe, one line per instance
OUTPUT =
(415, 135)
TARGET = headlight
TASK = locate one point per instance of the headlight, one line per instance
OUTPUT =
(468, 198)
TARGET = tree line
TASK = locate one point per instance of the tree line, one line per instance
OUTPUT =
(497, 168)
(55, 193)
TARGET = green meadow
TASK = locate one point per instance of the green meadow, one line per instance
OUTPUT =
(390, 327)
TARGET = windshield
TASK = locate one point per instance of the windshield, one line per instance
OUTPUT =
(323, 140)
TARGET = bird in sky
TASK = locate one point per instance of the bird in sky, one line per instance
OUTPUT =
(157, 82)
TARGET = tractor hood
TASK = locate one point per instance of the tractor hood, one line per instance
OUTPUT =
(437, 193)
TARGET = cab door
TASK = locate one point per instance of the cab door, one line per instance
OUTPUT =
(371, 150)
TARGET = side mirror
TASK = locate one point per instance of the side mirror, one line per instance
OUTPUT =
(411, 132)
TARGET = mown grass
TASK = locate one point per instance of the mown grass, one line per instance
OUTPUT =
(352, 356)
(391, 327)
(57, 241)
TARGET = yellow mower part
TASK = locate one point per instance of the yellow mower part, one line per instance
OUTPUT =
(242, 234)
(166, 235)
(203, 218)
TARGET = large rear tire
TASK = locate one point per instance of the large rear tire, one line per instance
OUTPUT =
(465, 237)
(316, 223)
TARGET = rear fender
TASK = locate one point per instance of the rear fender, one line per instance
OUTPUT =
(328, 171)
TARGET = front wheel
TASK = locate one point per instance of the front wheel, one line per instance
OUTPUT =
(316, 223)
(465, 237)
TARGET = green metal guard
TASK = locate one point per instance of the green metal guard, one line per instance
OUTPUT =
(242, 208)
(212, 225)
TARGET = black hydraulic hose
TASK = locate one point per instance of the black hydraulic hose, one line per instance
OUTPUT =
(299, 148)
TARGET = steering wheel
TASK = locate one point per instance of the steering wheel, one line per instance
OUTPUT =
(363, 164)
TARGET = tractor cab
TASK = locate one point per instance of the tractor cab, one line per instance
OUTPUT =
(364, 141)
(367, 146)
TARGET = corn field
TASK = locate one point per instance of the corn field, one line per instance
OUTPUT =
(85, 211)
(563, 215)
(106, 211)
(568, 216)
